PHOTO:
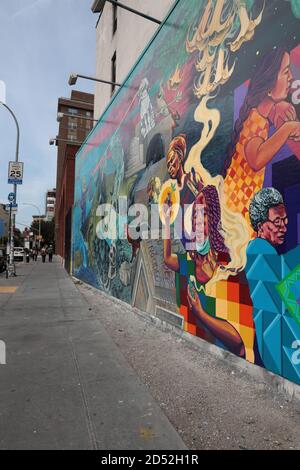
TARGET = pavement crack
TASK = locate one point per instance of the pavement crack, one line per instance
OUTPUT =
(90, 426)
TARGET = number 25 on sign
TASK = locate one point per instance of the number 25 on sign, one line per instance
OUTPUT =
(15, 172)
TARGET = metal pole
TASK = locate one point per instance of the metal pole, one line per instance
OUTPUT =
(136, 12)
(10, 231)
(8, 243)
(15, 186)
(40, 231)
(70, 142)
(11, 243)
(107, 82)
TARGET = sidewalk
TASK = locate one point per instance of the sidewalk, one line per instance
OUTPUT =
(212, 403)
(66, 384)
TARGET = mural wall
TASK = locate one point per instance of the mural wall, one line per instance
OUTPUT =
(209, 118)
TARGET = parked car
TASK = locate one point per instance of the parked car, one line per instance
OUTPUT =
(18, 253)
(2, 260)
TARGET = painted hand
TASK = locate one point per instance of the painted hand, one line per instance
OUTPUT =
(283, 112)
(193, 300)
(167, 212)
(295, 131)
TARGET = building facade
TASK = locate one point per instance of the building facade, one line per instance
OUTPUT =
(121, 38)
(76, 123)
(50, 204)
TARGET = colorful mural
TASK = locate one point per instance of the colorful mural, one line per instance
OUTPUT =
(208, 119)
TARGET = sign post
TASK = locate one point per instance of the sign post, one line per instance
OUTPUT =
(11, 271)
(15, 177)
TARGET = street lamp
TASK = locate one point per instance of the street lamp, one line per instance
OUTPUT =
(53, 141)
(116, 3)
(12, 222)
(36, 207)
(74, 76)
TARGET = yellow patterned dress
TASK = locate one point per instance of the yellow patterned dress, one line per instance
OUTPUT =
(241, 182)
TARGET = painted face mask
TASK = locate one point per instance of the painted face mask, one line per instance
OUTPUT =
(203, 248)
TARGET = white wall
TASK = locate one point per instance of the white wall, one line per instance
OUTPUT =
(131, 38)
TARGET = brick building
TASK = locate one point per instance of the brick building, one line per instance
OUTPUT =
(50, 204)
(75, 115)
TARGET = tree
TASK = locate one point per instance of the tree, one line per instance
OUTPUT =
(3, 241)
(18, 238)
(47, 231)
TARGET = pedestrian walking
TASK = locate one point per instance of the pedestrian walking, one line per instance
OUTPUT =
(50, 253)
(44, 254)
(35, 254)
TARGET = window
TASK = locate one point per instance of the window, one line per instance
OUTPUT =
(113, 71)
(88, 123)
(115, 18)
(72, 135)
(72, 124)
(72, 111)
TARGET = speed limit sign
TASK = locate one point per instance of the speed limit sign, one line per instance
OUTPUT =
(15, 172)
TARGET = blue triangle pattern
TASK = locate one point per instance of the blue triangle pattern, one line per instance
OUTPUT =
(275, 263)
(258, 322)
(272, 346)
(250, 260)
(290, 369)
(262, 270)
(292, 258)
(285, 268)
(291, 330)
(274, 294)
(252, 285)
(262, 299)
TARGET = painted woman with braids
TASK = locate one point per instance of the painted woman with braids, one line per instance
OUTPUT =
(251, 147)
(208, 256)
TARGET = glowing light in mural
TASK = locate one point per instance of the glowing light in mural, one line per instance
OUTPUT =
(175, 79)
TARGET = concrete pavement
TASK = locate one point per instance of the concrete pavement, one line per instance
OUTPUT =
(66, 384)
(214, 401)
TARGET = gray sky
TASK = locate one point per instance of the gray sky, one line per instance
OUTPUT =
(41, 42)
